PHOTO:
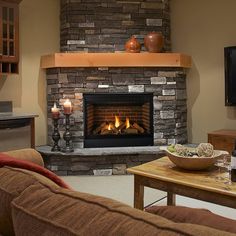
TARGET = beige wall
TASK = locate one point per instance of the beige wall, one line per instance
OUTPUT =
(39, 34)
(202, 29)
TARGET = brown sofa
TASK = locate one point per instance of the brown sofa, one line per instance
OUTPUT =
(31, 204)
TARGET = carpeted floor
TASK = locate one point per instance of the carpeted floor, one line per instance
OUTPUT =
(120, 187)
(116, 187)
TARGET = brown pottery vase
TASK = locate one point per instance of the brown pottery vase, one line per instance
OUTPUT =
(132, 45)
(154, 41)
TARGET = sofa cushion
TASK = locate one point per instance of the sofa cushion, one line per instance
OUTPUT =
(27, 154)
(13, 182)
(6, 160)
(205, 217)
(48, 210)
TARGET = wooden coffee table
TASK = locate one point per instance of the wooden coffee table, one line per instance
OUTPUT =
(162, 174)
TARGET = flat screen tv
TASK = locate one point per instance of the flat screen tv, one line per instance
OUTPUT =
(230, 75)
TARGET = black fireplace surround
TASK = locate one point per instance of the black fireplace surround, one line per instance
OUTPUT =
(100, 110)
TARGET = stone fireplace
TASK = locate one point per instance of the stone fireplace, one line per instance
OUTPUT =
(104, 82)
(165, 86)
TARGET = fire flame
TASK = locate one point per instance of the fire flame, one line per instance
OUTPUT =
(127, 123)
(117, 121)
(109, 127)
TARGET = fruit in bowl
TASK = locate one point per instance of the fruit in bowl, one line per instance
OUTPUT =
(199, 158)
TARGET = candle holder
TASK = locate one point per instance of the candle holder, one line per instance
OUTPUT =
(55, 135)
(67, 136)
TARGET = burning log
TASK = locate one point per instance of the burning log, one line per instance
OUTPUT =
(122, 126)
(99, 128)
(104, 128)
(113, 128)
(106, 131)
(138, 127)
(118, 127)
(131, 131)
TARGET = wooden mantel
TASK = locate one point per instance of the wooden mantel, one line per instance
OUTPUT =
(117, 59)
(13, 1)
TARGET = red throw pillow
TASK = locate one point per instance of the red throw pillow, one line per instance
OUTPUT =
(6, 160)
(180, 214)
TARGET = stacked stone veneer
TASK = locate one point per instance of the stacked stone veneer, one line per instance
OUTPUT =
(168, 86)
(105, 25)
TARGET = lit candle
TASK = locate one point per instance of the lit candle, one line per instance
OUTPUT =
(55, 112)
(67, 107)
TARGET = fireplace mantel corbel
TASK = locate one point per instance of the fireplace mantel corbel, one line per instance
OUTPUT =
(118, 59)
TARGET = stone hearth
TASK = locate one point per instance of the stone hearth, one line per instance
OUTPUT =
(98, 161)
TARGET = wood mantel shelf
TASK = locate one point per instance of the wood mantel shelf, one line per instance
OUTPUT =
(13, 1)
(117, 59)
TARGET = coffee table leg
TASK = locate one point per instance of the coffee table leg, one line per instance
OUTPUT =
(170, 199)
(138, 193)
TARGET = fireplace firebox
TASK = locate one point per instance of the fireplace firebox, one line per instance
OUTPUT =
(118, 120)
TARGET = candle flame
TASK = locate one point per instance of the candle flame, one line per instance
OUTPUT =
(54, 108)
(127, 123)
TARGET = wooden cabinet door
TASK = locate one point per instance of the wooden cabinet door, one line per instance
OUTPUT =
(9, 40)
(223, 140)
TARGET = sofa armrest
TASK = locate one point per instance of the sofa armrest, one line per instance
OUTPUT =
(27, 154)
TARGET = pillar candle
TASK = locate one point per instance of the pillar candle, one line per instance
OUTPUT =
(67, 107)
(55, 112)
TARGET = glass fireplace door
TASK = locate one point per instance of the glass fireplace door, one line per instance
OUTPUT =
(116, 120)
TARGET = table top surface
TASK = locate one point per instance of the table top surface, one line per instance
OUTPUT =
(163, 169)
(14, 115)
